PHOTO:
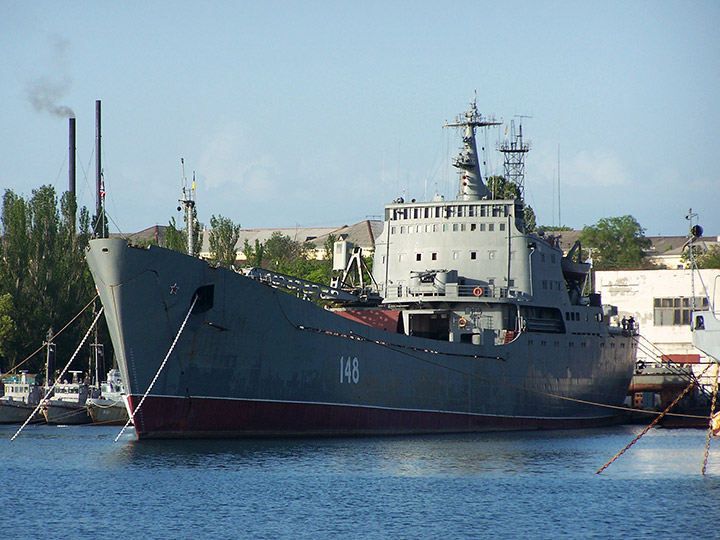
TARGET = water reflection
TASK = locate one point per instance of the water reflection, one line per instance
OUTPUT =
(573, 452)
(660, 453)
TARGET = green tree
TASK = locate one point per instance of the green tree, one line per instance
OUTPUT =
(254, 255)
(43, 275)
(709, 258)
(7, 324)
(281, 251)
(175, 239)
(500, 188)
(616, 243)
(322, 270)
(223, 239)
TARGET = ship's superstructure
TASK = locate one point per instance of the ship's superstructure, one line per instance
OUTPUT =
(470, 322)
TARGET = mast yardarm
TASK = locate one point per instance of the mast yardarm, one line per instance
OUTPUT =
(471, 186)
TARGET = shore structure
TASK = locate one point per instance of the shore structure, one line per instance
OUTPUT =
(469, 321)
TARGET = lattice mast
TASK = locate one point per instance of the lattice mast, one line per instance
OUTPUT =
(514, 150)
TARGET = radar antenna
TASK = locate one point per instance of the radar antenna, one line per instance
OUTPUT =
(471, 186)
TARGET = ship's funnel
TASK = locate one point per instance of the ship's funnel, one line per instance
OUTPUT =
(72, 151)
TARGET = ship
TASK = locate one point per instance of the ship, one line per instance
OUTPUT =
(108, 408)
(66, 406)
(705, 327)
(469, 321)
(21, 397)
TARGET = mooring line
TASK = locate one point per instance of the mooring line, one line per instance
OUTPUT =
(710, 427)
(49, 392)
(659, 417)
(162, 365)
(14, 368)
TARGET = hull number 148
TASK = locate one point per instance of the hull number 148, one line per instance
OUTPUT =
(349, 370)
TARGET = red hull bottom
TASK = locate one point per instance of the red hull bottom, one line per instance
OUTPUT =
(169, 417)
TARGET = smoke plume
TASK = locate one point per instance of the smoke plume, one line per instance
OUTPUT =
(45, 96)
(46, 93)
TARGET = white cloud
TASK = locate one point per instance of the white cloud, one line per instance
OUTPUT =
(594, 167)
(229, 161)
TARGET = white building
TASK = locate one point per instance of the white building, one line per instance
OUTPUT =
(660, 302)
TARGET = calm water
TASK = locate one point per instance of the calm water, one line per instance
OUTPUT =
(74, 482)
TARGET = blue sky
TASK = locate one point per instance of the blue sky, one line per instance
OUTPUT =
(318, 113)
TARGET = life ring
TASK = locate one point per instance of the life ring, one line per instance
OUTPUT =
(462, 321)
(477, 291)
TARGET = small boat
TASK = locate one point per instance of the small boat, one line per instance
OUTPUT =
(22, 395)
(67, 405)
(654, 387)
(109, 407)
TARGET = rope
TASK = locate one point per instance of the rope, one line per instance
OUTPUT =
(14, 368)
(644, 431)
(673, 366)
(49, 392)
(710, 427)
(162, 365)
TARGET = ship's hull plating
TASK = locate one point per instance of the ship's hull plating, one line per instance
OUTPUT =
(66, 414)
(253, 360)
(17, 413)
(106, 412)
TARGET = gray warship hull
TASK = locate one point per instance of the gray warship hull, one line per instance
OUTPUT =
(253, 360)
(107, 412)
(17, 413)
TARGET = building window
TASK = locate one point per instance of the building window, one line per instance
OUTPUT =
(502, 226)
(418, 256)
(491, 226)
(434, 257)
(675, 311)
(482, 227)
